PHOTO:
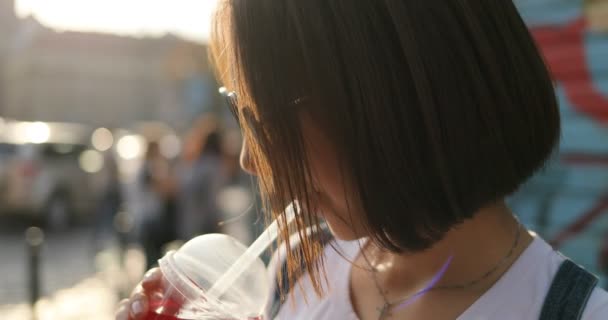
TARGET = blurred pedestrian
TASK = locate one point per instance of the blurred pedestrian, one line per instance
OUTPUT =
(154, 218)
(199, 179)
(110, 199)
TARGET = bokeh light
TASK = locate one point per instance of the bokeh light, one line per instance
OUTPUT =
(102, 139)
(91, 161)
(130, 147)
(33, 132)
(170, 146)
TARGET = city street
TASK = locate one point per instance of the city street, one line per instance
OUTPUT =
(75, 282)
(66, 259)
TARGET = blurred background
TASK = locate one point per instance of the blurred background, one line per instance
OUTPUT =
(114, 143)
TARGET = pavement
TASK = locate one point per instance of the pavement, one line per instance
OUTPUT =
(90, 299)
(79, 280)
(80, 277)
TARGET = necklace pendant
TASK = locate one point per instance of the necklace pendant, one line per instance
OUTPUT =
(384, 312)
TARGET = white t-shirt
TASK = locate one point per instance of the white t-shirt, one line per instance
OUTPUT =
(518, 295)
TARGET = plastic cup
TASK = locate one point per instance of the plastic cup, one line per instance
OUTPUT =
(190, 272)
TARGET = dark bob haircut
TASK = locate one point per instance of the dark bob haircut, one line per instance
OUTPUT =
(435, 108)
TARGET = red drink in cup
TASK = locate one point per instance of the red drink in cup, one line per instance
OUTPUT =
(153, 316)
(215, 277)
(191, 275)
(163, 309)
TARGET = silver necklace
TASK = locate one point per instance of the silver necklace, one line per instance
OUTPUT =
(385, 310)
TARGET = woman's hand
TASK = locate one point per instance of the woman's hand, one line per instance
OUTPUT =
(136, 307)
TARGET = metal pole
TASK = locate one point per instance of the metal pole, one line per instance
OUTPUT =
(34, 238)
(123, 225)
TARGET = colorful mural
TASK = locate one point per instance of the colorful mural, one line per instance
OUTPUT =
(567, 202)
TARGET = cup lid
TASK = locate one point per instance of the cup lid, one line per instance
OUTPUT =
(198, 264)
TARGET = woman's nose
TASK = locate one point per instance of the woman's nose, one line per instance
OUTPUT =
(246, 160)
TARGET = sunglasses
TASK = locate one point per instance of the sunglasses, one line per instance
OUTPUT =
(231, 100)
(230, 97)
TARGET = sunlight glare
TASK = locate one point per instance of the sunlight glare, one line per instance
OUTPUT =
(189, 18)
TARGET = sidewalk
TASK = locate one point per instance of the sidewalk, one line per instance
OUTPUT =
(93, 298)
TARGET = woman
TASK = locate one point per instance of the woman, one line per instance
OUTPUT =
(403, 124)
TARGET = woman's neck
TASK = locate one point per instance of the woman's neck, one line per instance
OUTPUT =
(479, 245)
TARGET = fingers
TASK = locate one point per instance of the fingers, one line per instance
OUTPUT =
(123, 310)
(134, 308)
(152, 280)
(139, 307)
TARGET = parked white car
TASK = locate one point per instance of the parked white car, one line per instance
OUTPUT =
(44, 172)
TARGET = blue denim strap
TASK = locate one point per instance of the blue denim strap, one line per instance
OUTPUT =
(282, 288)
(569, 293)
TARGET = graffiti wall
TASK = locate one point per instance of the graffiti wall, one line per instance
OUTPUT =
(567, 203)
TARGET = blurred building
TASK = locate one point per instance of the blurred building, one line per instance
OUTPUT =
(99, 79)
(8, 21)
(8, 25)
